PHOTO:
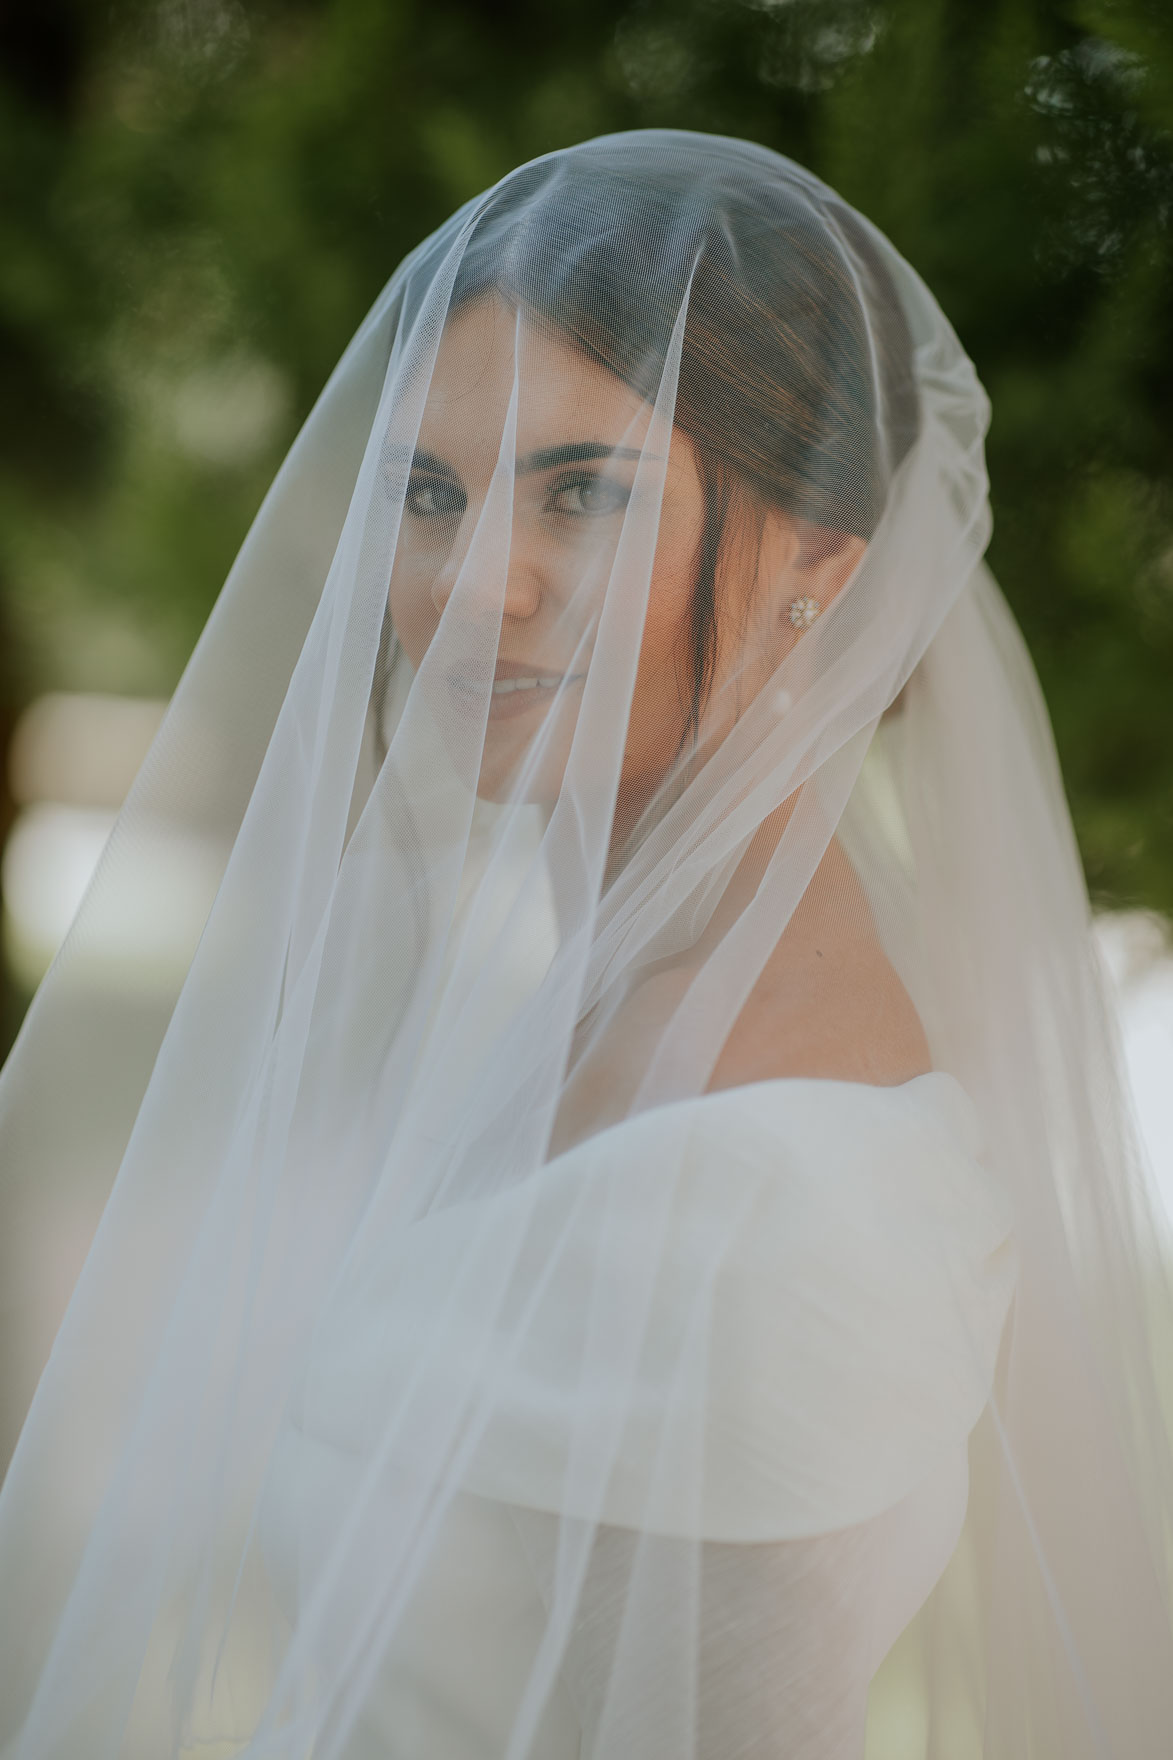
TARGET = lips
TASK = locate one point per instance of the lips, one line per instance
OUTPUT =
(525, 691)
(515, 688)
(502, 687)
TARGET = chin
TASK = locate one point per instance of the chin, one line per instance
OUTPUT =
(503, 761)
(498, 781)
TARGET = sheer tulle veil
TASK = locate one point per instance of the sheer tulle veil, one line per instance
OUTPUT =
(410, 1166)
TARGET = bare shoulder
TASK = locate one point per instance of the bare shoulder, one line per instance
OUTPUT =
(832, 1009)
(836, 1012)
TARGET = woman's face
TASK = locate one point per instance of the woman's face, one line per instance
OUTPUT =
(579, 435)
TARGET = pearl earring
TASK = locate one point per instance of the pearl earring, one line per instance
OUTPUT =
(803, 612)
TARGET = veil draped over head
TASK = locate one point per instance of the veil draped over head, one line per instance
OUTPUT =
(554, 1299)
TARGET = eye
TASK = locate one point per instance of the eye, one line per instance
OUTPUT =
(587, 493)
(434, 498)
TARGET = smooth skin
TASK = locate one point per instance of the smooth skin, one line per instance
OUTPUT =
(828, 1002)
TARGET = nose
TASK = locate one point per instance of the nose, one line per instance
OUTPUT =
(525, 582)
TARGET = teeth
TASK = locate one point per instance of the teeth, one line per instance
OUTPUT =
(504, 685)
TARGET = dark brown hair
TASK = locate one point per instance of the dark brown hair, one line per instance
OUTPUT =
(796, 382)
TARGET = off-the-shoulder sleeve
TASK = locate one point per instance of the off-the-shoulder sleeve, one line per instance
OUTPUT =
(817, 1273)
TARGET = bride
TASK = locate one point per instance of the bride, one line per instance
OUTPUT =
(630, 1244)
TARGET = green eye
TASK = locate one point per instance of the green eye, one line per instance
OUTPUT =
(434, 498)
(588, 494)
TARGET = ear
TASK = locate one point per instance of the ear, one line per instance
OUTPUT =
(822, 561)
(801, 560)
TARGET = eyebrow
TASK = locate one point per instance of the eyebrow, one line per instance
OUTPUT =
(545, 458)
(575, 452)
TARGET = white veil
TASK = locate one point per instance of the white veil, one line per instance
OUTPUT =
(416, 1211)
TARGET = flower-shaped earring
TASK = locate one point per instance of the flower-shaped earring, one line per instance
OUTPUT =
(803, 612)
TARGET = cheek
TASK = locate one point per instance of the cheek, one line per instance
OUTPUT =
(657, 709)
(413, 610)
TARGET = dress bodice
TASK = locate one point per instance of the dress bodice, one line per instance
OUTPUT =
(866, 1267)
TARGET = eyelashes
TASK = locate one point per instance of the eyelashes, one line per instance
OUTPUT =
(434, 498)
(574, 494)
(587, 494)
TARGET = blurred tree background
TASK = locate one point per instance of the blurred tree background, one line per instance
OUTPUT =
(202, 197)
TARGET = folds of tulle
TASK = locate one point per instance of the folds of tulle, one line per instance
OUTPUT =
(698, 1362)
(830, 1289)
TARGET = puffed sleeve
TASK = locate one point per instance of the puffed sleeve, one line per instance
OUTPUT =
(761, 1315)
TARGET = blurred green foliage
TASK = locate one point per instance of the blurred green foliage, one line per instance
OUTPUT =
(200, 198)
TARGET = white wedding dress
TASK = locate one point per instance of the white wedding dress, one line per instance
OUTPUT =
(618, 617)
(868, 1268)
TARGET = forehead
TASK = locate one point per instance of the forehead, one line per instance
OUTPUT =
(562, 395)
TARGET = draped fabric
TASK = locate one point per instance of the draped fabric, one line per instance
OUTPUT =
(628, 1241)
